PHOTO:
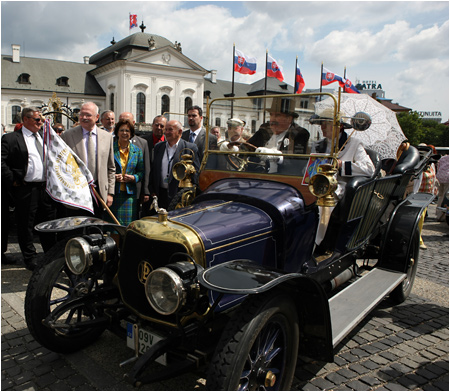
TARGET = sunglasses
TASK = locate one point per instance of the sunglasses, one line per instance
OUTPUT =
(37, 119)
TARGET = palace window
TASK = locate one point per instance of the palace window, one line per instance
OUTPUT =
(111, 102)
(165, 104)
(24, 78)
(140, 108)
(63, 81)
(16, 110)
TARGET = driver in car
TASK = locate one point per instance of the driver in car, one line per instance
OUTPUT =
(280, 135)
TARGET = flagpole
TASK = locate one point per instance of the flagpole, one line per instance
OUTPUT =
(232, 80)
(129, 24)
(295, 74)
(321, 73)
(265, 87)
(102, 202)
(345, 73)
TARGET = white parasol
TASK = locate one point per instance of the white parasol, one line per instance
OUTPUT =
(383, 136)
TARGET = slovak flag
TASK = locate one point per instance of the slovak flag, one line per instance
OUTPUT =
(299, 81)
(350, 88)
(329, 77)
(133, 21)
(244, 64)
(273, 69)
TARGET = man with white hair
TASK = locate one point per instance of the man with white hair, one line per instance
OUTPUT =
(94, 146)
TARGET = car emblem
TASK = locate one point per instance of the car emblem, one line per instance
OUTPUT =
(144, 269)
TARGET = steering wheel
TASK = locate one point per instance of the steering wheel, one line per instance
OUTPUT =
(237, 162)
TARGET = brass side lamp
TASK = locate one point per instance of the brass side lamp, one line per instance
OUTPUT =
(323, 184)
(184, 170)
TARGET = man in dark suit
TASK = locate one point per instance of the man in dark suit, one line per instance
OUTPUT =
(153, 138)
(142, 187)
(23, 173)
(283, 135)
(167, 154)
(197, 133)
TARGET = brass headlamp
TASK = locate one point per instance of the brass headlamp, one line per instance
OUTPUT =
(184, 170)
(323, 184)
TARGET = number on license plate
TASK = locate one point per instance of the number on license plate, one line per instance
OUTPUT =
(145, 340)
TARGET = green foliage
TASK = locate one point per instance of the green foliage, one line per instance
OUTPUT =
(417, 130)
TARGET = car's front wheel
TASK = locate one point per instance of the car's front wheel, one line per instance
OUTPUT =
(52, 284)
(258, 348)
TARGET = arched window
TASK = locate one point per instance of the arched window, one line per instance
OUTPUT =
(111, 102)
(165, 104)
(140, 108)
(187, 103)
(15, 110)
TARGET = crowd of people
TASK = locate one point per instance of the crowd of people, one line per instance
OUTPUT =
(128, 170)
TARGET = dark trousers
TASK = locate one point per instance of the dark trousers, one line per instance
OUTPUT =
(33, 206)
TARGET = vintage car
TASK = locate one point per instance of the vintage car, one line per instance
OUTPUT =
(231, 279)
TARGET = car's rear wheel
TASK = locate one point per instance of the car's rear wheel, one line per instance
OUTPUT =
(258, 348)
(402, 291)
(53, 284)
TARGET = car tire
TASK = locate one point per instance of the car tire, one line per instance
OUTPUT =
(51, 285)
(263, 335)
(402, 291)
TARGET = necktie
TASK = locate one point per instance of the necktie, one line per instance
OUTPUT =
(192, 137)
(92, 162)
(39, 146)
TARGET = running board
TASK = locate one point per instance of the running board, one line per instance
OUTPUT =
(357, 300)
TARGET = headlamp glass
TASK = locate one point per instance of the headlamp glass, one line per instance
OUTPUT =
(78, 255)
(165, 291)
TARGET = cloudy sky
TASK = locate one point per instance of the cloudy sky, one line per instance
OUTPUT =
(404, 46)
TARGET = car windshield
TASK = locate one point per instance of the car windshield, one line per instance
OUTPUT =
(263, 135)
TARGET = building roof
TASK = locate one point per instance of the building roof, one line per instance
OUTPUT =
(129, 47)
(395, 107)
(44, 74)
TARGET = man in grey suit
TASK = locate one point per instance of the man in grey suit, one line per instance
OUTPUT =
(166, 154)
(197, 133)
(94, 146)
(142, 187)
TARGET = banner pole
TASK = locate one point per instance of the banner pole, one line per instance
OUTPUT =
(106, 207)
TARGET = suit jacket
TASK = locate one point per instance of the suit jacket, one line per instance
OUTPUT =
(142, 186)
(14, 158)
(160, 150)
(200, 141)
(106, 167)
(135, 167)
(294, 142)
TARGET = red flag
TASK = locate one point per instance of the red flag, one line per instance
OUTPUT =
(133, 21)
(273, 69)
(299, 81)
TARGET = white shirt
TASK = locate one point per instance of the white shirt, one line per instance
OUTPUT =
(275, 140)
(166, 164)
(86, 140)
(196, 132)
(35, 168)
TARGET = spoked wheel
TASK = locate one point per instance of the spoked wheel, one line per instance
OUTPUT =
(258, 349)
(51, 285)
(402, 291)
(237, 162)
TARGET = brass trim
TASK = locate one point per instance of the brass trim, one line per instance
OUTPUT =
(243, 240)
(202, 209)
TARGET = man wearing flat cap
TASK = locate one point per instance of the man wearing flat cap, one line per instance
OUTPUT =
(281, 134)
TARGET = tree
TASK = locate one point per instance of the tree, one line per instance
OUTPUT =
(417, 130)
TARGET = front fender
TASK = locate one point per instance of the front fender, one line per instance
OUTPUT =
(244, 277)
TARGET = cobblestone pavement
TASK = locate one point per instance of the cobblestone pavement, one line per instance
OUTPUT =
(394, 348)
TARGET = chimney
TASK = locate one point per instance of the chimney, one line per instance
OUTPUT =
(213, 76)
(15, 53)
(86, 59)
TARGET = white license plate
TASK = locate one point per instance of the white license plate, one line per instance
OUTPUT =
(145, 340)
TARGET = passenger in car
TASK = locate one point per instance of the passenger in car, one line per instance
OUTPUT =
(352, 161)
(281, 134)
